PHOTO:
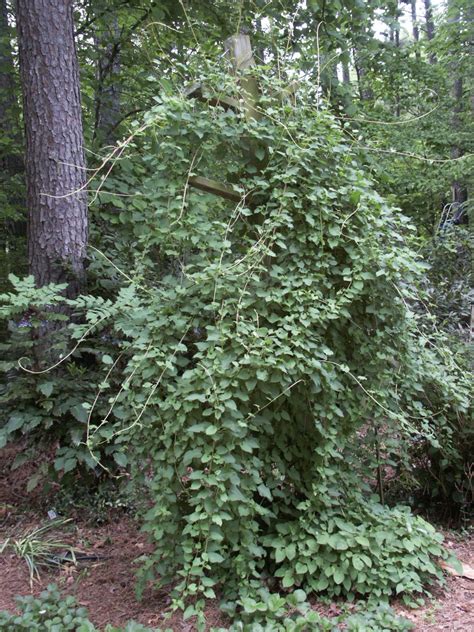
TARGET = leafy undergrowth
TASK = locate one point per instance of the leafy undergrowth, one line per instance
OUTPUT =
(105, 587)
(51, 611)
(248, 356)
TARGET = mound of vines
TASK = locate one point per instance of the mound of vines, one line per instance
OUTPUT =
(263, 340)
(265, 337)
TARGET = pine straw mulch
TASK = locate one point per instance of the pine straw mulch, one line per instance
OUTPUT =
(106, 586)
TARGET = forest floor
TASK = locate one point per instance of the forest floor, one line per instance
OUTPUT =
(106, 586)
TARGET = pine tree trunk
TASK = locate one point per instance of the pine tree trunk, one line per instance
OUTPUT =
(346, 75)
(397, 93)
(55, 165)
(365, 92)
(414, 22)
(7, 95)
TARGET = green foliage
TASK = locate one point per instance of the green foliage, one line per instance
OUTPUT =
(263, 338)
(257, 343)
(48, 612)
(362, 549)
(100, 504)
(448, 284)
(375, 619)
(267, 611)
(50, 379)
(438, 477)
(273, 612)
(415, 132)
(52, 612)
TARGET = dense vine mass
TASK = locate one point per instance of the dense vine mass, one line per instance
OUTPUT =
(271, 346)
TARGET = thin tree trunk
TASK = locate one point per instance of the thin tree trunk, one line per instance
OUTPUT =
(470, 183)
(346, 93)
(107, 100)
(11, 153)
(365, 92)
(458, 188)
(346, 74)
(7, 95)
(397, 46)
(55, 165)
(430, 29)
(329, 78)
(414, 21)
(416, 30)
(259, 49)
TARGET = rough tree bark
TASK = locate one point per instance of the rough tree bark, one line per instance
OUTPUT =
(55, 165)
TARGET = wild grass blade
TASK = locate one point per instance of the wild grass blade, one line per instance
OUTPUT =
(38, 549)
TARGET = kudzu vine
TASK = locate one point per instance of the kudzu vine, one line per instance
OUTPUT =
(279, 329)
(262, 339)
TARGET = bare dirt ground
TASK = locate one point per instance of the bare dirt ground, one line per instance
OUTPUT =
(106, 586)
(453, 607)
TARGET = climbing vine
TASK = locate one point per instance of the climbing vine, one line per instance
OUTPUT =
(263, 338)
(279, 330)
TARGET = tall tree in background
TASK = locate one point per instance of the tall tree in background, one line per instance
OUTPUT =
(10, 161)
(430, 29)
(458, 188)
(55, 164)
(107, 97)
(12, 188)
(415, 29)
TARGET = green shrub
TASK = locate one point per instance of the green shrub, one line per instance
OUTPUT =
(359, 549)
(48, 612)
(53, 613)
(280, 329)
(49, 382)
(272, 613)
(292, 613)
(259, 341)
(379, 618)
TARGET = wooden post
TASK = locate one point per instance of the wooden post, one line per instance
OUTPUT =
(239, 51)
(217, 188)
(197, 91)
